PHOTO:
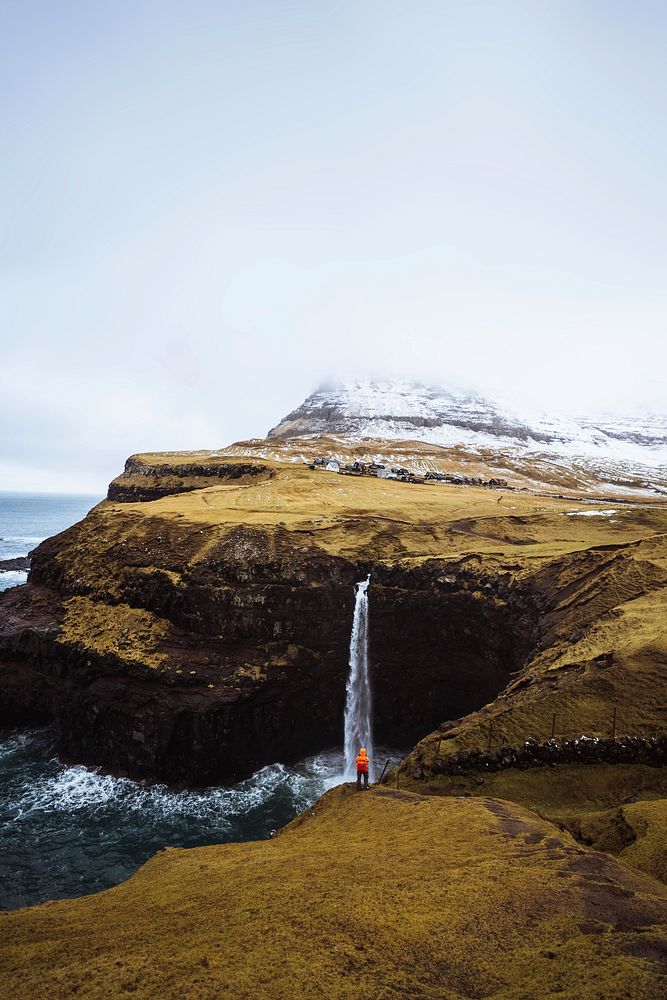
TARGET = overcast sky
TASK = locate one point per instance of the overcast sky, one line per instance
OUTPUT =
(209, 208)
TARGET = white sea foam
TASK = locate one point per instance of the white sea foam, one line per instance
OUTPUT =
(67, 830)
(78, 789)
(23, 539)
(12, 578)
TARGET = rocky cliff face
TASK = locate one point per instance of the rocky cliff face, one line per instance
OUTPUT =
(194, 635)
(246, 662)
(142, 480)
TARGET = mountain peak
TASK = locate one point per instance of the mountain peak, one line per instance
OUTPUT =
(398, 408)
(405, 409)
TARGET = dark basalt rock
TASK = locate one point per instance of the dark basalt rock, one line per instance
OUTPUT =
(435, 650)
(19, 563)
(141, 483)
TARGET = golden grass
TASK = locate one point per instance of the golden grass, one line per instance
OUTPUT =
(128, 634)
(388, 894)
(556, 793)
(381, 894)
(636, 832)
(352, 516)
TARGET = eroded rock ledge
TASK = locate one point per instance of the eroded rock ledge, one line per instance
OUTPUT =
(19, 562)
(145, 480)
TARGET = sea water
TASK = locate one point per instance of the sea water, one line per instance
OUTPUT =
(66, 831)
(26, 519)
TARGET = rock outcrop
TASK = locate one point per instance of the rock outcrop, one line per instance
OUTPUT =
(19, 562)
(143, 479)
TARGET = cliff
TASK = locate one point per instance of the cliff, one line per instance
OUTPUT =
(195, 625)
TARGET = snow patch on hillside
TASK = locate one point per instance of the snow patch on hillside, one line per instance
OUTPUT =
(383, 409)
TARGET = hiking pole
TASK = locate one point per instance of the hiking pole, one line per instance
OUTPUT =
(383, 770)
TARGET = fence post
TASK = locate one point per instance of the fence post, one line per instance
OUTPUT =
(383, 770)
(437, 753)
(553, 725)
(613, 725)
(490, 734)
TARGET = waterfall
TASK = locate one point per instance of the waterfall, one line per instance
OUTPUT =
(358, 690)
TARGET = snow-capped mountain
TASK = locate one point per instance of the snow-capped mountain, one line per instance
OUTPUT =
(386, 410)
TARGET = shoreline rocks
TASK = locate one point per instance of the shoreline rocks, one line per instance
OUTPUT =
(18, 563)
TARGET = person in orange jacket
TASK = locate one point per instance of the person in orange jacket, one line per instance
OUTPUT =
(362, 768)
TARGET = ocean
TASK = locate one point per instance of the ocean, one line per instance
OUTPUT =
(26, 519)
(66, 831)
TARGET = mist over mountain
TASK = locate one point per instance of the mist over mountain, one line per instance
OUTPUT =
(406, 409)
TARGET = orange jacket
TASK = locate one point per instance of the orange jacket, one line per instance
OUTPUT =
(362, 764)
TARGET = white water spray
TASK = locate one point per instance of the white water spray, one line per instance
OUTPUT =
(358, 690)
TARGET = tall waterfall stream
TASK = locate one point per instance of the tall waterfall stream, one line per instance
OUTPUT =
(358, 729)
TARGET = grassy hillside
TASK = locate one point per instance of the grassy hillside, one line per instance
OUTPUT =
(385, 894)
